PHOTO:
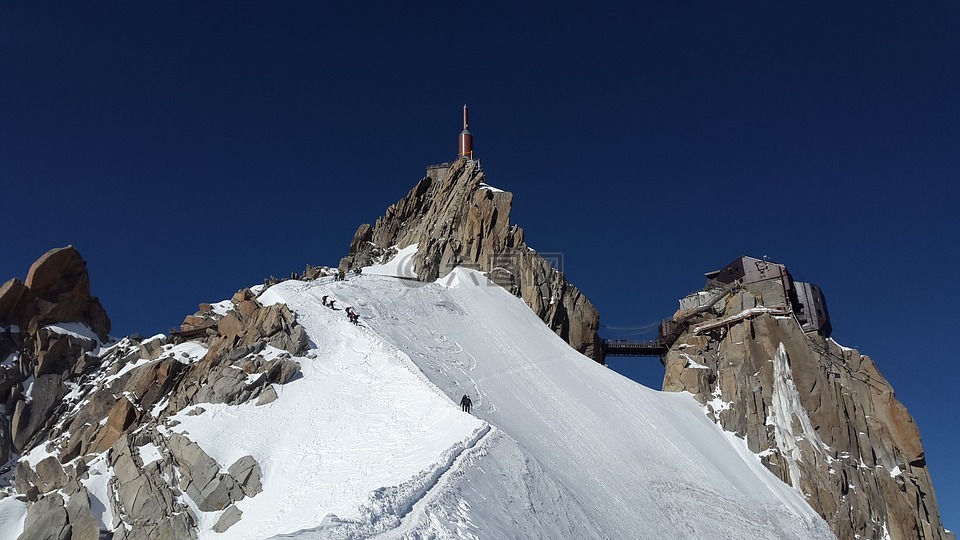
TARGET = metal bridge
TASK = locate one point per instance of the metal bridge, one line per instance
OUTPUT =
(622, 347)
(670, 331)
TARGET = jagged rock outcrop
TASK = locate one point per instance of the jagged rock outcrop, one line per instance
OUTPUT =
(457, 220)
(820, 416)
(87, 405)
(56, 292)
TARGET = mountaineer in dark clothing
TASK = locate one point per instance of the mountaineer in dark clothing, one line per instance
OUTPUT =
(465, 403)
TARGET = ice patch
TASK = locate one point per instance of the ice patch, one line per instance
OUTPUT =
(401, 265)
(691, 363)
(786, 406)
(28, 389)
(222, 308)
(463, 277)
(149, 453)
(491, 188)
(75, 329)
(187, 352)
(10, 359)
(12, 515)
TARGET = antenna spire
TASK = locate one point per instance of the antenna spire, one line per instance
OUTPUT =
(466, 138)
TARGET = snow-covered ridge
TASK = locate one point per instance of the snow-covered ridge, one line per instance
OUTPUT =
(618, 455)
(369, 440)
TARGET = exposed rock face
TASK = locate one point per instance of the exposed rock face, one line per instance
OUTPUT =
(820, 416)
(56, 291)
(90, 406)
(457, 221)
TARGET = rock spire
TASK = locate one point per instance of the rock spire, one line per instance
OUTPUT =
(819, 415)
(458, 220)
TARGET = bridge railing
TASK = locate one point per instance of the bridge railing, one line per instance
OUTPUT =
(630, 344)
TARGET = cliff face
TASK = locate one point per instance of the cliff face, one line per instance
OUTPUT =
(820, 416)
(457, 220)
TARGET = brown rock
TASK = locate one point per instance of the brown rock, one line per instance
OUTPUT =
(51, 474)
(363, 235)
(241, 295)
(30, 421)
(230, 326)
(11, 294)
(851, 432)
(59, 270)
(247, 308)
(193, 321)
(122, 416)
(150, 383)
(57, 290)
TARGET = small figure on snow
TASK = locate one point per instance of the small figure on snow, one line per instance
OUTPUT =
(324, 300)
(465, 403)
(352, 315)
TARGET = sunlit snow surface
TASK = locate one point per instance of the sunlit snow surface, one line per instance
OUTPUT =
(12, 515)
(362, 417)
(574, 450)
(401, 265)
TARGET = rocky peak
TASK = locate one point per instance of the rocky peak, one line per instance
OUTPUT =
(819, 415)
(456, 219)
(57, 290)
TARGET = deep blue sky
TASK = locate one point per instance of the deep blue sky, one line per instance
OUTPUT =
(190, 149)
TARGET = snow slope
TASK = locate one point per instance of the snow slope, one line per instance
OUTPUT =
(562, 448)
(361, 418)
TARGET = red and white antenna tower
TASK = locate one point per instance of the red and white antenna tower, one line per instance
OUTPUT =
(466, 138)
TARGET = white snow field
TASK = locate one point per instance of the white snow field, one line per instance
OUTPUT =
(557, 446)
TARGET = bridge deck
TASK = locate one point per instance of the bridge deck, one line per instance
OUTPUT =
(634, 348)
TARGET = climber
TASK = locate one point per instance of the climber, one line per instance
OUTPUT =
(465, 403)
(324, 300)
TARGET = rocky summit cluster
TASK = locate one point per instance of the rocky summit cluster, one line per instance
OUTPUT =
(820, 416)
(80, 405)
(456, 219)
